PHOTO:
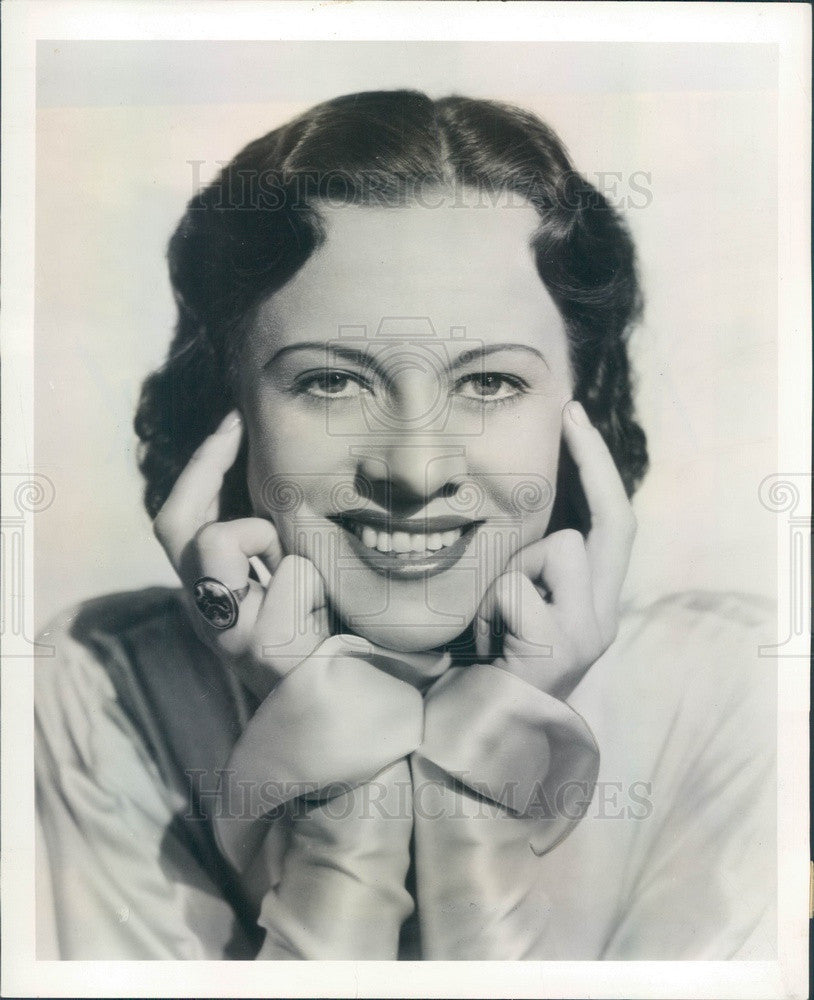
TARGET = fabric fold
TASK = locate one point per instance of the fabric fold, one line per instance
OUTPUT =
(504, 773)
(332, 723)
(324, 757)
(342, 893)
(513, 744)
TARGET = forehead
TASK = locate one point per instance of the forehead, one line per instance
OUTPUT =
(464, 266)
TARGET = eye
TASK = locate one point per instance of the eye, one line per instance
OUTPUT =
(488, 387)
(332, 384)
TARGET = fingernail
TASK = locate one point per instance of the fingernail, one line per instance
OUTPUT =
(577, 413)
(232, 420)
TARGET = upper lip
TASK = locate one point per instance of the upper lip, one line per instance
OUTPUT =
(412, 525)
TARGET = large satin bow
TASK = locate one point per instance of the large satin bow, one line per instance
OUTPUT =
(334, 738)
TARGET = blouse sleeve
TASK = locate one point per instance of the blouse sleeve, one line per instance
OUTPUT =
(329, 744)
(503, 775)
(114, 880)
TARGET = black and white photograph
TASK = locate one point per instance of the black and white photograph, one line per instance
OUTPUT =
(406, 499)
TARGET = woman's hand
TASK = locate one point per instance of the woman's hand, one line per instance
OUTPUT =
(557, 605)
(277, 626)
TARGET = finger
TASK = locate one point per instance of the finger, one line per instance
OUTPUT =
(513, 608)
(293, 617)
(566, 572)
(222, 551)
(560, 564)
(546, 565)
(529, 560)
(194, 498)
(613, 525)
(496, 613)
(262, 571)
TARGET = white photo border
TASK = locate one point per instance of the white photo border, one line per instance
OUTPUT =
(786, 24)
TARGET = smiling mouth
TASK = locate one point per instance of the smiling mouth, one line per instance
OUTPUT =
(407, 549)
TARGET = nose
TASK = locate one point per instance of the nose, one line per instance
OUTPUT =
(415, 459)
(406, 473)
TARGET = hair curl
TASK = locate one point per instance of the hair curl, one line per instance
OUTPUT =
(246, 234)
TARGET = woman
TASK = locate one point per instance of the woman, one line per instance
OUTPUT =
(390, 456)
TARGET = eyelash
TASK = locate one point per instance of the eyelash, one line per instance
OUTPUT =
(308, 380)
(518, 385)
(305, 384)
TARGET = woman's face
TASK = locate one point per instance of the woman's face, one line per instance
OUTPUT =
(402, 396)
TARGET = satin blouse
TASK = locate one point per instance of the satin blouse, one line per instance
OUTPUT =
(353, 815)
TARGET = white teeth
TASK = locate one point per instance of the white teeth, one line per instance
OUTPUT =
(402, 542)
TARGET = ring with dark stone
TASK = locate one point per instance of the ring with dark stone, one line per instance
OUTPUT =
(218, 604)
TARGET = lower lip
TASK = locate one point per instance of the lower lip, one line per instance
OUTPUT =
(419, 564)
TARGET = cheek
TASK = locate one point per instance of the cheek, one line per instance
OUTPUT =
(293, 466)
(517, 462)
(276, 480)
(266, 460)
(284, 446)
(522, 447)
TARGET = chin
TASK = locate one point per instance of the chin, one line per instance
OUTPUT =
(407, 617)
(406, 601)
(404, 639)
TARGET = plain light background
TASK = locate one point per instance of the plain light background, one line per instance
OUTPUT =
(120, 126)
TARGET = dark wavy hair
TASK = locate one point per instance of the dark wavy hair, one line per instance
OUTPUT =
(256, 224)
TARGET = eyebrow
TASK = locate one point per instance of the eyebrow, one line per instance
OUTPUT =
(482, 352)
(362, 357)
